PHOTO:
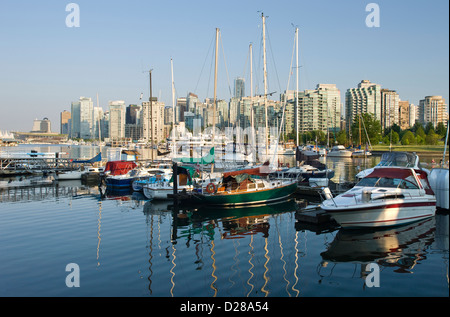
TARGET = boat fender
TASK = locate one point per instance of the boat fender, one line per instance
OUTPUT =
(211, 188)
(327, 193)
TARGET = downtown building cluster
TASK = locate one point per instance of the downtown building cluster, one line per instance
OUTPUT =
(319, 109)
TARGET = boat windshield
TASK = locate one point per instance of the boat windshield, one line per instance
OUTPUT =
(403, 159)
(408, 183)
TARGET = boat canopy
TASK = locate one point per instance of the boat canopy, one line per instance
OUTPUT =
(403, 159)
(405, 174)
(387, 172)
(263, 170)
(207, 159)
(96, 158)
(119, 167)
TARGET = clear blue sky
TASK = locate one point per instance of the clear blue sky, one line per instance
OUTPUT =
(44, 65)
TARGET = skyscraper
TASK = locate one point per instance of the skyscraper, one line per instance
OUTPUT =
(364, 99)
(318, 109)
(239, 88)
(333, 99)
(82, 118)
(65, 118)
(153, 119)
(117, 117)
(403, 114)
(389, 108)
(433, 109)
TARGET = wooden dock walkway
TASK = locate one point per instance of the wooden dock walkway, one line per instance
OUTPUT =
(32, 165)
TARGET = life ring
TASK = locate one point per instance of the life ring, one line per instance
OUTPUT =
(211, 188)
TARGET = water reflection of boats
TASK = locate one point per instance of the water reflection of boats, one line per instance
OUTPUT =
(157, 206)
(400, 247)
(206, 212)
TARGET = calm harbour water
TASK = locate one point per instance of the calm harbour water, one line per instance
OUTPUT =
(125, 245)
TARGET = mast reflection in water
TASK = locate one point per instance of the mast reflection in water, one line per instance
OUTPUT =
(128, 246)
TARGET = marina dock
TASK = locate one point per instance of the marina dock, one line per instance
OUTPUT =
(32, 165)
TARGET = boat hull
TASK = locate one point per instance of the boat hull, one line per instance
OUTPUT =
(340, 154)
(381, 215)
(161, 193)
(70, 175)
(119, 183)
(251, 197)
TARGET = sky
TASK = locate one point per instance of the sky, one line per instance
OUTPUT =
(45, 65)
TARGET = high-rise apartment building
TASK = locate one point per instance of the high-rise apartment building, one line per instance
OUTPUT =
(82, 118)
(191, 102)
(364, 99)
(153, 120)
(239, 88)
(333, 98)
(318, 109)
(404, 115)
(433, 109)
(42, 126)
(117, 118)
(65, 118)
(389, 108)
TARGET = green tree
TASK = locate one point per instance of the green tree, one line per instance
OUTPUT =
(319, 135)
(394, 137)
(429, 127)
(408, 138)
(341, 137)
(431, 138)
(420, 132)
(373, 128)
(440, 129)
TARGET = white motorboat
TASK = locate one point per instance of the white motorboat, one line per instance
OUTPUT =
(154, 175)
(26, 182)
(161, 188)
(70, 175)
(387, 196)
(339, 151)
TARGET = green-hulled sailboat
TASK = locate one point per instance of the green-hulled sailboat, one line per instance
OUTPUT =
(247, 187)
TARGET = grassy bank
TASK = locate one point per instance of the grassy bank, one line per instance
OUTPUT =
(430, 149)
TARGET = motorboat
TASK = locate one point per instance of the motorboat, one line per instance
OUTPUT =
(117, 174)
(394, 159)
(339, 151)
(153, 175)
(161, 188)
(361, 153)
(27, 182)
(71, 175)
(304, 172)
(387, 196)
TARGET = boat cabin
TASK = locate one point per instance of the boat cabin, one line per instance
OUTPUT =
(396, 178)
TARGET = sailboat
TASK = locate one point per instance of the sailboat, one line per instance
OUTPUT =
(362, 152)
(247, 187)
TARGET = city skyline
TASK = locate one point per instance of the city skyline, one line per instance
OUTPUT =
(46, 65)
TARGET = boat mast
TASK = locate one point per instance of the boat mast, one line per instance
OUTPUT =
(296, 89)
(215, 95)
(99, 127)
(151, 114)
(265, 80)
(251, 99)
(173, 111)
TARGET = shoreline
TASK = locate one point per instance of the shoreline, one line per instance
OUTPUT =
(420, 153)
